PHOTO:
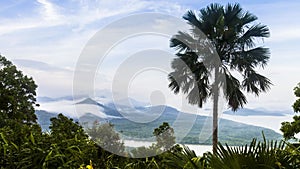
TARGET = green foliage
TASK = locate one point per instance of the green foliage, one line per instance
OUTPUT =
(165, 141)
(64, 128)
(156, 155)
(145, 151)
(289, 129)
(164, 136)
(28, 147)
(22, 148)
(186, 159)
(292, 154)
(147, 163)
(22, 143)
(69, 146)
(17, 95)
(267, 154)
(106, 137)
(18, 128)
(109, 146)
(296, 105)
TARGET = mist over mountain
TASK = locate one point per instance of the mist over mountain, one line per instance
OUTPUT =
(137, 121)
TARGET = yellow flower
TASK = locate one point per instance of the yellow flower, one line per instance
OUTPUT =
(90, 166)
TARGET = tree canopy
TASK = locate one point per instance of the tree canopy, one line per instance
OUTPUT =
(17, 95)
(220, 44)
(233, 33)
(106, 137)
(164, 136)
(290, 129)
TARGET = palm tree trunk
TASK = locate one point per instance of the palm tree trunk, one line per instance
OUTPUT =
(215, 122)
(215, 111)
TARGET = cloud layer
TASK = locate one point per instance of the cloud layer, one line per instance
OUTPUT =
(45, 39)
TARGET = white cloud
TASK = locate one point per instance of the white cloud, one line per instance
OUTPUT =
(88, 11)
(57, 33)
(280, 17)
(51, 83)
(49, 11)
(61, 30)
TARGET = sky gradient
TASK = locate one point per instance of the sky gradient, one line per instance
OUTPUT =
(44, 38)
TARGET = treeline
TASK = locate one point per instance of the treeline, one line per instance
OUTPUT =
(67, 145)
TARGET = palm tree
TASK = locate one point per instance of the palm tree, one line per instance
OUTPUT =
(232, 33)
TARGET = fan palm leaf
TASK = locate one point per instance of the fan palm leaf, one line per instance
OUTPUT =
(230, 33)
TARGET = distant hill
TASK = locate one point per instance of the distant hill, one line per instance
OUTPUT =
(230, 132)
(50, 99)
(257, 112)
(44, 118)
(90, 101)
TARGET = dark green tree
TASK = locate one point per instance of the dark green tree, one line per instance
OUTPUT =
(157, 155)
(109, 145)
(17, 95)
(289, 129)
(22, 146)
(22, 143)
(165, 141)
(233, 33)
(17, 116)
(106, 137)
(164, 136)
(62, 127)
(69, 145)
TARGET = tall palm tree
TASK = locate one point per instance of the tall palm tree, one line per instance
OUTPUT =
(233, 34)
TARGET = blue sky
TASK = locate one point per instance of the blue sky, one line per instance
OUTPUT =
(45, 38)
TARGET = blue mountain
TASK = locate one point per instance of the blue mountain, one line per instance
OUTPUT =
(139, 122)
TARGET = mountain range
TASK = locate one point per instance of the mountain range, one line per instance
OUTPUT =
(258, 112)
(139, 121)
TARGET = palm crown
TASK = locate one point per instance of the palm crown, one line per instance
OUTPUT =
(221, 41)
(233, 33)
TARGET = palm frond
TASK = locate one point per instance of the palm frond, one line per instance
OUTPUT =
(233, 92)
(255, 31)
(190, 16)
(186, 159)
(255, 83)
(182, 42)
(248, 18)
(232, 13)
(265, 154)
(210, 16)
(249, 59)
(191, 77)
